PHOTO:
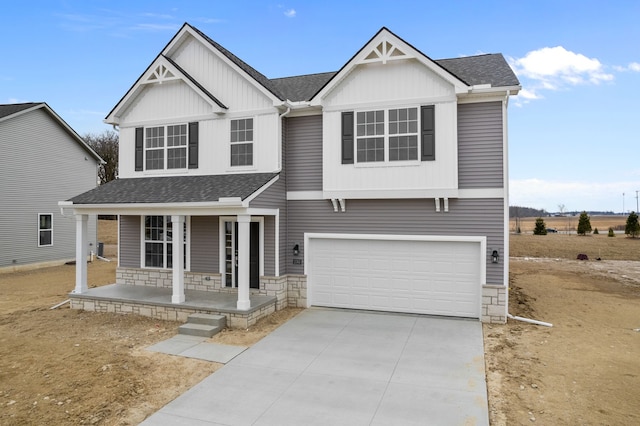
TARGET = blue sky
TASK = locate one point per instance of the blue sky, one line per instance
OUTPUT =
(573, 128)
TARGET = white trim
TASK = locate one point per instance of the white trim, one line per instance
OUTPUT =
(505, 168)
(304, 195)
(391, 193)
(482, 240)
(496, 94)
(46, 229)
(264, 187)
(221, 243)
(481, 193)
(276, 239)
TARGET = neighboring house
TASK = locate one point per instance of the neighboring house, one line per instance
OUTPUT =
(382, 186)
(43, 160)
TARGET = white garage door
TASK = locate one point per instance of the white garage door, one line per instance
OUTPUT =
(427, 277)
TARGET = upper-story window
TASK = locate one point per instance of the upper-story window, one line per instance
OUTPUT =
(242, 142)
(389, 135)
(166, 147)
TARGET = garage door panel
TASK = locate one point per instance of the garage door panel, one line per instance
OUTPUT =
(430, 277)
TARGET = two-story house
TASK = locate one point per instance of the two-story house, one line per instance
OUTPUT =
(43, 161)
(382, 186)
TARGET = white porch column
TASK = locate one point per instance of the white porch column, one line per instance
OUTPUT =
(177, 226)
(82, 243)
(243, 262)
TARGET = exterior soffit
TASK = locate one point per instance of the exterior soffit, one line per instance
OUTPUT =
(384, 48)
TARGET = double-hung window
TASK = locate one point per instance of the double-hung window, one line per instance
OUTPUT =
(389, 135)
(158, 242)
(242, 142)
(166, 147)
(45, 230)
(172, 147)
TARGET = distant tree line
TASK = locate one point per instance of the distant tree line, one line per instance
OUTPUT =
(518, 211)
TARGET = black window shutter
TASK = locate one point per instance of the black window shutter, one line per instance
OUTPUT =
(193, 145)
(347, 137)
(139, 149)
(428, 132)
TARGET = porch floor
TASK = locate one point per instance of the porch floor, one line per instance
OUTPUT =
(156, 296)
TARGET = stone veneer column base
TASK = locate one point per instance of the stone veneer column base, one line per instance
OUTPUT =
(494, 304)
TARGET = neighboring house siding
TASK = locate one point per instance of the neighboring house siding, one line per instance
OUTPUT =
(205, 251)
(480, 145)
(466, 217)
(304, 153)
(40, 165)
(130, 235)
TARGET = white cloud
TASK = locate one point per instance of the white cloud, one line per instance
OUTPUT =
(553, 68)
(290, 13)
(583, 195)
(633, 66)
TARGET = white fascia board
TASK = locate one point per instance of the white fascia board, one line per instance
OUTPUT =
(485, 95)
(391, 193)
(482, 193)
(159, 208)
(250, 198)
(305, 195)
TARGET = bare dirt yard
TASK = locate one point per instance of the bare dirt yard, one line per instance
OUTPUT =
(70, 367)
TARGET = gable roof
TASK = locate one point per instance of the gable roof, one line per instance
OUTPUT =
(175, 189)
(9, 111)
(468, 71)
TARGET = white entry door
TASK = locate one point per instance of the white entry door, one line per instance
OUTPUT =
(426, 277)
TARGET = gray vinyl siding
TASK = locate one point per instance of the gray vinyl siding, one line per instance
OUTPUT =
(480, 145)
(130, 235)
(41, 164)
(205, 245)
(466, 217)
(273, 197)
(304, 153)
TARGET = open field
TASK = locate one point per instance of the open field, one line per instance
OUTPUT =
(70, 367)
(570, 223)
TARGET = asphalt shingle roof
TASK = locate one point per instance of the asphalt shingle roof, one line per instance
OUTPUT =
(175, 189)
(482, 69)
(10, 109)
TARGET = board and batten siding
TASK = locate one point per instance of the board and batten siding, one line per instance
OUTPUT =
(480, 145)
(41, 164)
(466, 217)
(205, 251)
(304, 153)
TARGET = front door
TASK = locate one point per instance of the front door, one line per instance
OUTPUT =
(231, 254)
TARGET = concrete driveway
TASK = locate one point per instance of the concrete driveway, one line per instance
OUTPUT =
(337, 367)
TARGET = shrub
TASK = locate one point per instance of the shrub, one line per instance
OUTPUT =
(611, 233)
(595, 231)
(541, 228)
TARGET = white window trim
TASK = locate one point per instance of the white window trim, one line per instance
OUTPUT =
(187, 248)
(254, 158)
(49, 229)
(221, 242)
(165, 149)
(386, 162)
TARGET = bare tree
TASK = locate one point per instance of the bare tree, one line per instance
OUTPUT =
(105, 145)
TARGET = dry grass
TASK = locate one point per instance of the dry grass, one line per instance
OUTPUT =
(565, 224)
(568, 246)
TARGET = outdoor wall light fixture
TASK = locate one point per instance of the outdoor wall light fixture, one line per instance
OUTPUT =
(494, 256)
(296, 250)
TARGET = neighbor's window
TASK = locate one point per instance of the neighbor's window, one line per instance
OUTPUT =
(242, 142)
(166, 147)
(45, 230)
(158, 242)
(387, 135)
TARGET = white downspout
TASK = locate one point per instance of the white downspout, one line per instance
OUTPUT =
(280, 117)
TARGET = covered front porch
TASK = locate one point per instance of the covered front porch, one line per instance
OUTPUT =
(156, 302)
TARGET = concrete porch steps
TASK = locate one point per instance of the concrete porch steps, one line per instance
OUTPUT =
(203, 325)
